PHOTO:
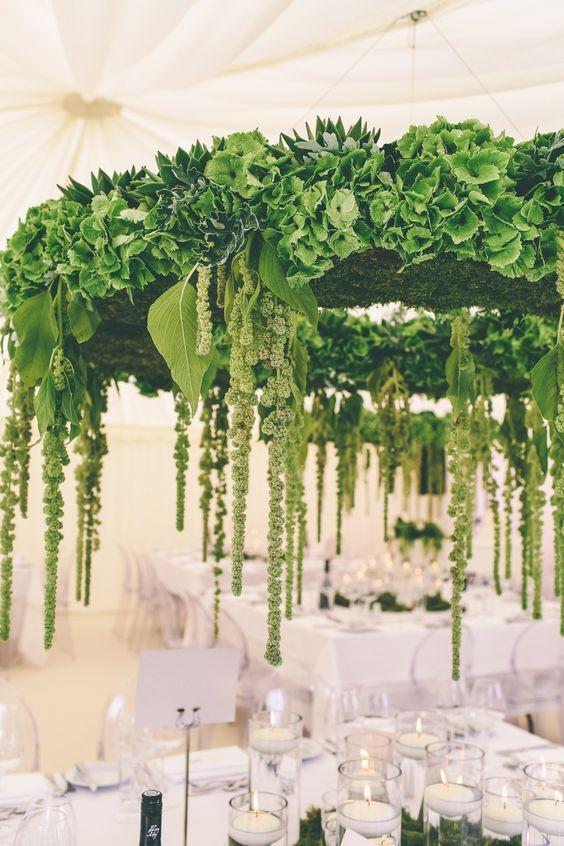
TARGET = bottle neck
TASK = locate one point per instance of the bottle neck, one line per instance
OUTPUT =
(151, 823)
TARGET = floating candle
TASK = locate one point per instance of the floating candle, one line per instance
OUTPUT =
(451, 800)
(256, 827)
(503, 818)
(547, 815)
(412, 744)
(368, 818)
(273, 739)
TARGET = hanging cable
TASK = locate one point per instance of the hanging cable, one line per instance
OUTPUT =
(414, 17)
(471, 71)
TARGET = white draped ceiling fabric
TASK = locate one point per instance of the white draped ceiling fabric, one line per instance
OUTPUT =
(105, 83)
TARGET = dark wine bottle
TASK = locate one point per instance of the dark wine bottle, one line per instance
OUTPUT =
(151, 818)
(326, 590)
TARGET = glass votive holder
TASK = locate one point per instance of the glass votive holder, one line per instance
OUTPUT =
(369, 801)
(415, 730)
(275, 760)
(502, 812)
(452, 802)
(368, 744)
(543, 804)
(329, 802)
(257, 819)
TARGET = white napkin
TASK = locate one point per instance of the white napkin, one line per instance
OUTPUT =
(22, 788)
(226, 763)
(351, 838)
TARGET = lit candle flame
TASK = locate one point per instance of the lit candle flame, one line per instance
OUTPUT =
(443, 777)
(272, 718)
(367, 793)
(418, 725)
(504, 796)
(459, 779)
(557, 797)
(364, 758)
(255, 802)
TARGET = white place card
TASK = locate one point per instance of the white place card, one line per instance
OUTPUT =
(189, 678)
(351, 838)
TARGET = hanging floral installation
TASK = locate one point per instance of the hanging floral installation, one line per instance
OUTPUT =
(223, 255)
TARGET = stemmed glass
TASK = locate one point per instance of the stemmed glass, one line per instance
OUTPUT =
(11, 746)
(487, 707)
(48, 822)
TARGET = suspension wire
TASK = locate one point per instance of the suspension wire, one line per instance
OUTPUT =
(471, 71)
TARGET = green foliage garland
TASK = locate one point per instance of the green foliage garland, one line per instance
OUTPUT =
(181, 454)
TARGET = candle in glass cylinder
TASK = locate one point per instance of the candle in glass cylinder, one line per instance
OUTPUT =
(256, 827)
(451, 800)
(547, 814)
(412, 744)
(273, 739)
(367, 817)
(501, 817)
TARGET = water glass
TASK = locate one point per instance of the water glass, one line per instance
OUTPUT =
(48, 822)
(502, 812)
(369, 801)
(329, 802)
(543, 804)
(258, 819)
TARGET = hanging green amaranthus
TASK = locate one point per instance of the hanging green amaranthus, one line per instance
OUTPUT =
(536, 466)
(92, 446)
(291, 483)
(181, 454)
(221, 458)
(242, 399)
(8, 502)
(321, 417)
(204, 337)
(391, 400)
(483, 432)
(460, 378)
(508, 489)
(275, 399)
(205, 477)
(25, 415)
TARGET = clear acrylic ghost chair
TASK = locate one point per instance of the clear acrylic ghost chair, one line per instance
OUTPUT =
(431, 668)
(18, 720)
(536, 680)
(143, 628)
(128, 596)
(173, 615)
(23, 572)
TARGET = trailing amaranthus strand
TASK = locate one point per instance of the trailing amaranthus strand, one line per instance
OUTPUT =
(276, 396)
(181, 454)
(203, 311)
(391, 399)
(320, 464)
(460, 377)
(483, 428)
(302, 526)
(8, 502)
(508, 511)
(221, 279)
(25, 414)
(55, 457)
(241, 397)
(92, 446)
(340, 444)
(205, 477)
(291, 487)
(221, 458)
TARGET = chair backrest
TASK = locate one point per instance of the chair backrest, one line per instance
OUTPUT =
(173, 615)
(432, 658)
(231, 634)
(19, 715)
(146, 578)
(537, 649)
(117, 723)
(199, 626)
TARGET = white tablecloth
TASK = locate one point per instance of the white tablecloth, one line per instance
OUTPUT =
(96, 813)
(314, 647)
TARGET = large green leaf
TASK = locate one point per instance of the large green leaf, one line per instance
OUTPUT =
(83, 320)
(460, 382)
(545, 384)
(45, 404)
(172, 324)
(37, 332)
(271, 271)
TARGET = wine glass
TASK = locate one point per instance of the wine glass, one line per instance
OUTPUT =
(11, 737)
(48, 822)
(487, 706)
